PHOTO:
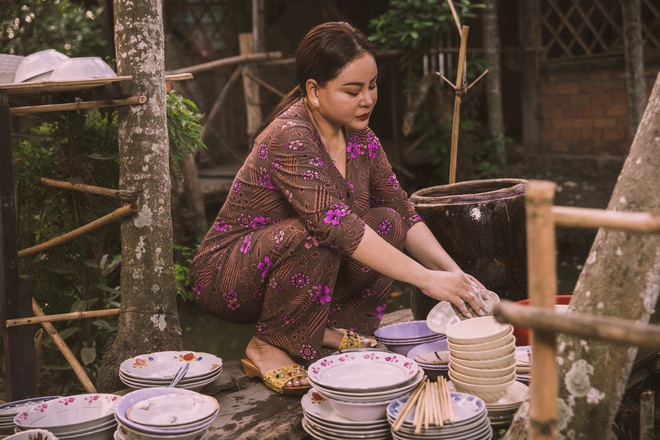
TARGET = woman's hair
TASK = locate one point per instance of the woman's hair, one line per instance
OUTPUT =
(321, 55)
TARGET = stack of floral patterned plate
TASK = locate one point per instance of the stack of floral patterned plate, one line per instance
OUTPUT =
(9, 410)
(159, 368)
(88, 416)
(432, 357)
(356, 386)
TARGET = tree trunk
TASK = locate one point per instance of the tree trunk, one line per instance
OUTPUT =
(634, 58)
(621, 278)
(149, 320)
(491, 42)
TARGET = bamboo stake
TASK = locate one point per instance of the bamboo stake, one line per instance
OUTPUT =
(408, 406)
(64, 349)
(114, 216)
(542, 293)
(645, 222)
(230, 61)
(61, 317)
(125, 196)
(607, 328)
(459, 88)
(78, 105)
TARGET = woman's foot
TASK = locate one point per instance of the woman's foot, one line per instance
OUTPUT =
(267, 357)
(335, 337)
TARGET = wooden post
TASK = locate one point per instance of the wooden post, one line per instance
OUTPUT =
(250, 88)
(20, 358)
(542, 276)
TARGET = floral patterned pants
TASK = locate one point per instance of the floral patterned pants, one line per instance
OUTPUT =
(281, 279)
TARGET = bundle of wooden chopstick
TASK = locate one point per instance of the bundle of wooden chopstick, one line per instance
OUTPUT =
(432, 404)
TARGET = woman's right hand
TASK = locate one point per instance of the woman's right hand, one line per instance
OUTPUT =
(458, 288)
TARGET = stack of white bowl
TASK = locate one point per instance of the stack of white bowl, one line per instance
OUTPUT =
(159, 368)
(165, 414)
(88, 416)
(404, 336)
(470, 421)
(9, 410)
(352, 390)
(482, 358)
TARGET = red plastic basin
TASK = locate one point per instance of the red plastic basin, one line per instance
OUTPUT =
(522, 333)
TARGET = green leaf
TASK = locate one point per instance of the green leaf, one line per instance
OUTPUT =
(88, 355)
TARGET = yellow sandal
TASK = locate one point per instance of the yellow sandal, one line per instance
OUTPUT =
(352, 339)
(277, 378)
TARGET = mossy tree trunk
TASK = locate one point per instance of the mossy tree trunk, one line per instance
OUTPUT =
(149, 320)
(621, 278)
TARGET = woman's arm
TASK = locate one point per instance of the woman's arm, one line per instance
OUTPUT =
(444, 281)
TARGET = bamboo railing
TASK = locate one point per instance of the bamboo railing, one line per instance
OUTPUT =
(542, 217)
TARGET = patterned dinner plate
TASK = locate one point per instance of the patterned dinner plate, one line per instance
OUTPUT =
(366, 371)
(165, 364)
(174, 409)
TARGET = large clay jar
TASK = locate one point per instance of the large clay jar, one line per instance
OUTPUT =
(481, 225)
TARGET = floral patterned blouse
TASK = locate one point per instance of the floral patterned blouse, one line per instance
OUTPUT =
(289, 173)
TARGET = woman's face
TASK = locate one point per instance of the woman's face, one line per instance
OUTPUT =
(349, 99)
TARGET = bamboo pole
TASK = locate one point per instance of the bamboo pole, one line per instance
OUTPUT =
(125, 196)
(645, 222)
(230, 61)
(64, 349)
(606, 328)
(542, 276)
(78, 105)
(114, 216)
(61, 317)
(459, 88)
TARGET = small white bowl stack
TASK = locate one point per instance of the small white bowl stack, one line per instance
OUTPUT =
(404, 336)
(165, 414)
(482, 358)
(157, 369)
(9, 410)
(351, 392)
(88, 416)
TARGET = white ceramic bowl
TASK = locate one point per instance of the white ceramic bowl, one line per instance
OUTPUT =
(506, 339)
(479, 380)
(69, 413)
(489, 393)
(38, 66)
(476, 330)
(134, 397)
(81, 68)
(361, 411)
(495, 353)
(501, 362)
(32, 434)
(482, 372)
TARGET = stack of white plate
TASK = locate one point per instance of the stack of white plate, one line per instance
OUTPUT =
(470, 421)
(524, 363)
(165, 414)
(358, 386)
(158, 369)
(404, 336)
(432, 357)
(89, 416)
(482, 357)
(321, 421)
(9, 410)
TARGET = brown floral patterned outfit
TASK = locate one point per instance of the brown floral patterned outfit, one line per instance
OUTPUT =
(278, 254)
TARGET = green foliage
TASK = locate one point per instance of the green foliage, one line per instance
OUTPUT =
(415, 28)
(183, 256)
(184, 129)
(67, 26)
